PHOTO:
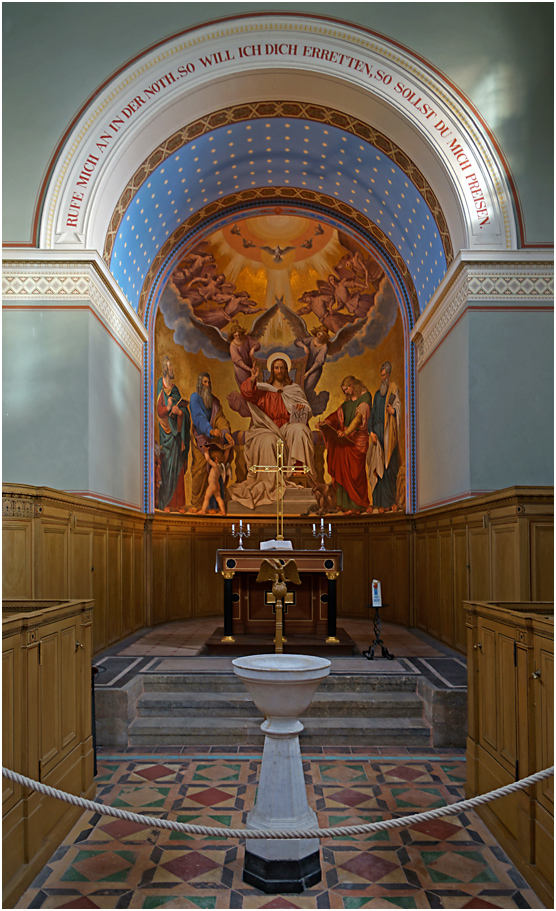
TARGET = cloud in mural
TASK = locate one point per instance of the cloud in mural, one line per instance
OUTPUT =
(177, 313)
(381, 319)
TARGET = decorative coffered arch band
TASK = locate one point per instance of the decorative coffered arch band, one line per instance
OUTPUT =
(252, 58)
(291, 110)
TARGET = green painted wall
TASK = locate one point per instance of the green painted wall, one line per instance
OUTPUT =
(56, 54)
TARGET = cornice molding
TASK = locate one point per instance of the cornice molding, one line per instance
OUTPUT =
(516, 281)
(29, 280)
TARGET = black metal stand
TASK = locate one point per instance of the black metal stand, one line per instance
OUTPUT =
(370, 653)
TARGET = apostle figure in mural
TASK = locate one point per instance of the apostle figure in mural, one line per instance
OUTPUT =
(174, 431)
(346, 437)
(210, 425)
(279, 409)
(383, 458)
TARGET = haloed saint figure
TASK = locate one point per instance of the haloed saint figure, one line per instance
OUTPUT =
(274, 326)
(174, 431)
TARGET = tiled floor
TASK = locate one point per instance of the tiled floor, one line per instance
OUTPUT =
(448, 863)
(187, 637)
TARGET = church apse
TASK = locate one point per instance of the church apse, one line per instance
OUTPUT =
(279, 326)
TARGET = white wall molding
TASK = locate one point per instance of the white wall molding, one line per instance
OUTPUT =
(519, 279)
(114, 132)
(31, 278)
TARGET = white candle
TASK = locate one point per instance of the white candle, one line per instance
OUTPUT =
(322, 523)
(314, 528)
(329, 528)
(233, 529)
(241, 524)
(248, 529)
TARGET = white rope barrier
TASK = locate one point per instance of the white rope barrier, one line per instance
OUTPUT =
(338, 832)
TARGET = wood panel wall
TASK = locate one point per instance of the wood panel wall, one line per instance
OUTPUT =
(144, 570)
(56, 546)
(46, 729)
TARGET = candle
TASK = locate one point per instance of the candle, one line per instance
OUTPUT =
(241, 524)
(329, 528)
(314, 528)
(233, 528)
(322, 523)
(248, 529)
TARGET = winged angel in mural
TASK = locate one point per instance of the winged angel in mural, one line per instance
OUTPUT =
(279, 354)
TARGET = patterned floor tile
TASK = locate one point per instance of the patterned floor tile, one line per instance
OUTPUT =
(452, 862)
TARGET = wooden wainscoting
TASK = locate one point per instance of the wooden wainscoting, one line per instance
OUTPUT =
(46, 729)
(510, 672)
(498, 547)
(146, 570)
(57, 546)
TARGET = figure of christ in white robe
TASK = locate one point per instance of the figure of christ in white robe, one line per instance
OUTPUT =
(260, 444)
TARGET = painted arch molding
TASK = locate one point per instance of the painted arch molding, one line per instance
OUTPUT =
(257, 58)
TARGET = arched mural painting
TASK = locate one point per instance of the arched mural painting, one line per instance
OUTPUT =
(279, 326)
(275, 223)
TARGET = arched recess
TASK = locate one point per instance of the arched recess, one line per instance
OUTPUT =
(263, 57)
(216, 80)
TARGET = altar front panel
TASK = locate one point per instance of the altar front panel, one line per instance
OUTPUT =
(252, 601)
(253, 608)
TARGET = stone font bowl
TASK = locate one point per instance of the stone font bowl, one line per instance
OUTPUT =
(281, 686)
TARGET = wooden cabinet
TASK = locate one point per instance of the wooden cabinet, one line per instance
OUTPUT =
(511, 728)
(47, 728)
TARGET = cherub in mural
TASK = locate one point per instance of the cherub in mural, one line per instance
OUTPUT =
(320, 302)
(279, 410)
(214, 455)
(346, 436)
(383, 457)
(198, 263)
(230, 302)
(174, 432)
(351, 283)
(348, 294)
(197, 281)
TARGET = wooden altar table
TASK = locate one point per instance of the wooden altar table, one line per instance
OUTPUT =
(248, 604)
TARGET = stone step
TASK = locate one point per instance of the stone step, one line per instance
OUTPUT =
(229, 683)
(324, 705)
(245, 731)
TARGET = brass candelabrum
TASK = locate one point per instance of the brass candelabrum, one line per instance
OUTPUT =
(240, 533)
(322, 533)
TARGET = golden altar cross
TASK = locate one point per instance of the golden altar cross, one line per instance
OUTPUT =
(280, 470)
